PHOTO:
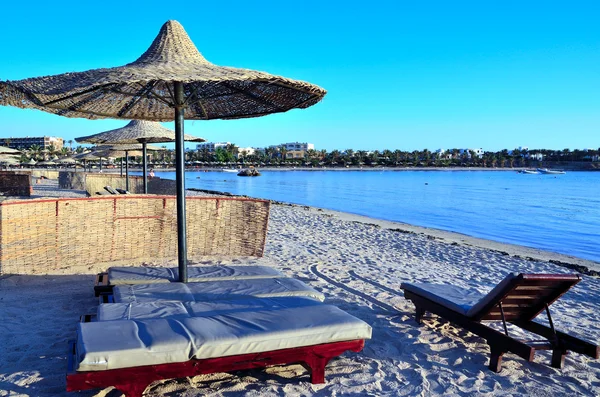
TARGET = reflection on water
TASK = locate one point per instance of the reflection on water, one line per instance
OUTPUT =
(558, 213)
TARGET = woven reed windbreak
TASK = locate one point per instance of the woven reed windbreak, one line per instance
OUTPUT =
(44, 236)
(96, 182)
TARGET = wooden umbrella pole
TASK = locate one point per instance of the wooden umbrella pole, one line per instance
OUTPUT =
(145, 167)
(180, 181)
(121, 166)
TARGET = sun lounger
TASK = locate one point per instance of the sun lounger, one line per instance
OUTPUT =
(178, 310)
(518, 299)
(148, 275)
(214, 290)
(110, 189)
(131, 354)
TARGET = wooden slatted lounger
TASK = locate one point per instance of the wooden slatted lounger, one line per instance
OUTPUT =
(518, 299)
(145, 275)
(131, 354)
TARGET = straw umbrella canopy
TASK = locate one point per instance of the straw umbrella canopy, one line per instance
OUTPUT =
(137, 131)
(85, 156)
(8, 160)
(170, 81)
(66, 160)
(7, 150)
(137, 149)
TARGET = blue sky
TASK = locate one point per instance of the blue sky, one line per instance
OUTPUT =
(400, 75)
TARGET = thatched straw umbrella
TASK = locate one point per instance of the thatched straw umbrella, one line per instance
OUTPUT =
(137, 149)
(85, 157)
(169, 81)
(7, 150)
(137, 131)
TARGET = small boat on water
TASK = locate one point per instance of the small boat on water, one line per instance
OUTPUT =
(528, 172)
(547, 171)
(229, 170)
(249, 172)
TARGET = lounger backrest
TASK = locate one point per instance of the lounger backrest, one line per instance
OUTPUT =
(525, 296)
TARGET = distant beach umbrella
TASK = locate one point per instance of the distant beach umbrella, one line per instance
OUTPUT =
(66, 160)
(7, 150)
(137, 131)
(170, 81)
(126, 151)
(9, 160)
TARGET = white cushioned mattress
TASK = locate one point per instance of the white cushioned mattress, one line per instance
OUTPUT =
(179, 310)
(214, 290)
(149, 275)
(105, 345)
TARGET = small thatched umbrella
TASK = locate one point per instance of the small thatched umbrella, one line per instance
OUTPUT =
(137, 131)
(7, 150)
(169, 80)
(7, 160)
(85, 156)
(137, 149)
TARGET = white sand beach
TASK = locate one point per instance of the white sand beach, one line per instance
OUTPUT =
(358, 264)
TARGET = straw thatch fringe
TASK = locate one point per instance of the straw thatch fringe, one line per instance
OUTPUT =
(48, 235)
(143, 89)
(127, 138)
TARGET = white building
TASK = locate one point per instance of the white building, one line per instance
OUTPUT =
(245, 151)
(295, 150)
(296, 146)
(478, 152)
(443, 154)
(212, 146)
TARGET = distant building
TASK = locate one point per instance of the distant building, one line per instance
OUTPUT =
(535, 156)
(212, 146)
(25, 143)
(245, 151)
(478, 152)
(443, 154)
(295, 150)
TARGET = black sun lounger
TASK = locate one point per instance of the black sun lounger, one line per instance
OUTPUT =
(518, 299)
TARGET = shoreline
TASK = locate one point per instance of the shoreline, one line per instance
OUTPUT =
(116, 170)
(581, 265)
(49, 188)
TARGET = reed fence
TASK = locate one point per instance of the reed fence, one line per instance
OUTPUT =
(41, 236)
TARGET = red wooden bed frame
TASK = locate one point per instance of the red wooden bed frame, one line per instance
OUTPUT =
(133, 381)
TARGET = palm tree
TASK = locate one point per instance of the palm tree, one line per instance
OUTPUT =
(232, 149)
(283, 152)
(34, 152)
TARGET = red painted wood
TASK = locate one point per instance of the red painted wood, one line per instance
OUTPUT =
(133, 381)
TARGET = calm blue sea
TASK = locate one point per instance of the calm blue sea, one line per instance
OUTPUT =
(559, 213)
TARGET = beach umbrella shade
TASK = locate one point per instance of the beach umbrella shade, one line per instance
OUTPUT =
(85, 157)
(170, 81)
(7, 150)
(126, 151)
(137, 131)
(8, 160)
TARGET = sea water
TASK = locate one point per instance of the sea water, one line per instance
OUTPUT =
(559, 213)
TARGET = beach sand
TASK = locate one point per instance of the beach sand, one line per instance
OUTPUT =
(358, 263)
